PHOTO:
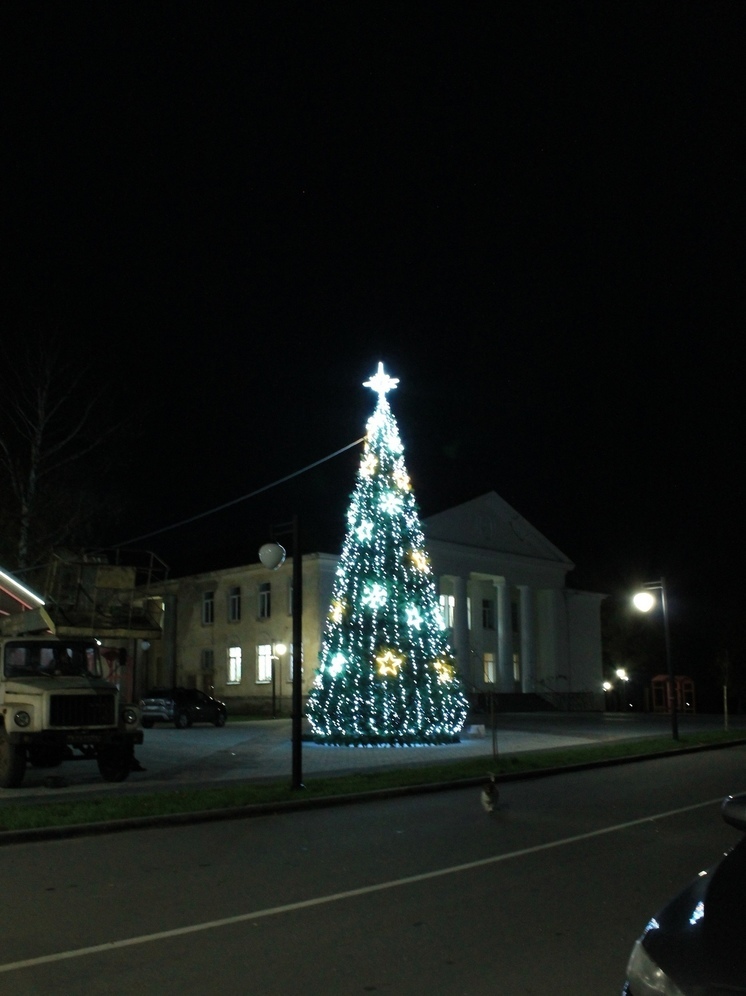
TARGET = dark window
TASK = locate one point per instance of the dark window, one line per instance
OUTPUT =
(488, 614)
(265, 600)
(234, 604)
(208, 608)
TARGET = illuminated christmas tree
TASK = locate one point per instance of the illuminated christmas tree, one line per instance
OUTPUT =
(386, 674)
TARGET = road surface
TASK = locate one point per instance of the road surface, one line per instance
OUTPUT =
(408, 897)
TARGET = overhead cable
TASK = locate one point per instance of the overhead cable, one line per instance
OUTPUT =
(235, 501)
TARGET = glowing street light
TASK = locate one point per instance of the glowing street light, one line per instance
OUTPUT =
(644, 601)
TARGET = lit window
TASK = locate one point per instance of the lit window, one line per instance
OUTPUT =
(234, 604)
(264, 663)
(265, 600)
(488, 665)
(447, 604)
(208, 608)
(234, 665)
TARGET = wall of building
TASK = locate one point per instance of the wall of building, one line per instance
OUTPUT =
(584, 646)
(544, 638)
(194, 651)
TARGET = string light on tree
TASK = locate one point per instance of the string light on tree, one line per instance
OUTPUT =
(336, 611)
(389, 663)
(386, 674)
(414, 619)
(419, 559)
(338, 662)
(365, 531)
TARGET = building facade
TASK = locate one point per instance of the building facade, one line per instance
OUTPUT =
(515, 626)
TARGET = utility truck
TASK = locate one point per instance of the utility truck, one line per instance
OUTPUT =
(55, 706)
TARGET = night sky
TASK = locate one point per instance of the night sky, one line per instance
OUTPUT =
(532, 213)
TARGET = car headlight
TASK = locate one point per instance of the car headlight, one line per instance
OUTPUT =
(21, 718)
(130, 716)
(646, 977)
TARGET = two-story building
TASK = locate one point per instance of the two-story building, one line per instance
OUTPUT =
(515, 625)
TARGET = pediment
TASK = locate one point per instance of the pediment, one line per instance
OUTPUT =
(489, 523)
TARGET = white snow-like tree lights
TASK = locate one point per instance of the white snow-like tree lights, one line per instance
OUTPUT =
(386, 674)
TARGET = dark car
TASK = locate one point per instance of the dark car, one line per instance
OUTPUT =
(695, 945)
(182, 707)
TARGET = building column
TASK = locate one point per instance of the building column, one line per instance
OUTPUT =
(461, 627)
(528, 645)
(504, 637)
(559, 642)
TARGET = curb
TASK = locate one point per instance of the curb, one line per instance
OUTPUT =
(35, 834)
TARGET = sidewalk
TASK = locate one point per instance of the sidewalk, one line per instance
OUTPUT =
(265, 750)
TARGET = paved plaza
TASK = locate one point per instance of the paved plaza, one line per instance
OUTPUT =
(261, 749)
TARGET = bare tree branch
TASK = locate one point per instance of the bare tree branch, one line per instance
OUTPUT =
(52, 415)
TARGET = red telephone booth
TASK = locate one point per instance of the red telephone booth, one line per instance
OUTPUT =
(685, 696)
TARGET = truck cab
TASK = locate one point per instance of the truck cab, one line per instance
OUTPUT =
(55, 706)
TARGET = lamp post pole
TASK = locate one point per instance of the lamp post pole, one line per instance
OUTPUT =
(671, 675)
(644, 601)
(297, 605)
(272, 660)
(272, 555)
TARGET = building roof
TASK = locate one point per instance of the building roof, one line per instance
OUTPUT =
(490, 523)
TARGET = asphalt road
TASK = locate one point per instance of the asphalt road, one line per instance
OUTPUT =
(408, 897)
(253, 751)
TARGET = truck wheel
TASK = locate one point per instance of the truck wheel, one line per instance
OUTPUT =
(114, 763)
(182, 721)
(12, 762)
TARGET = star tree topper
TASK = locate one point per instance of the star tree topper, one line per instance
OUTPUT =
(381, 382)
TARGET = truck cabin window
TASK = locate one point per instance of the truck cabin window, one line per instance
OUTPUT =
(63, 659)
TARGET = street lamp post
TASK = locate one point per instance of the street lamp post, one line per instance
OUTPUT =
(272, 555)
(644, 601)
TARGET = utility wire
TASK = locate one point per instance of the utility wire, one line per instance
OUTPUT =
(235, 501)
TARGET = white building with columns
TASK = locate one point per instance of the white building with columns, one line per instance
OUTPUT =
(515, 626)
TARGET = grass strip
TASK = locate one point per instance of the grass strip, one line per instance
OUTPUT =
(22, 816)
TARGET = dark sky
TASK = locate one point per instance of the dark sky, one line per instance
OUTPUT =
(532, 213)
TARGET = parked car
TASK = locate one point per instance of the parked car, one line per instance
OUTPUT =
(695, 945)
(182, 707)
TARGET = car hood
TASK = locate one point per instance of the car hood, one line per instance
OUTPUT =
(698, 938)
